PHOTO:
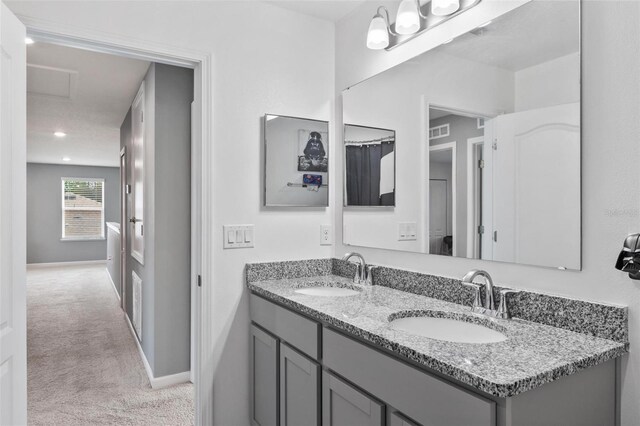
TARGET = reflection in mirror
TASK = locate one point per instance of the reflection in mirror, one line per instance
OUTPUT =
(369, 166)
(489, 143)
(296, 162)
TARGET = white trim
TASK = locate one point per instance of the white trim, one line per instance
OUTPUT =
(162, 381)
(454, 189)
(60, 264)
(470, 208)
(64, 34)
(113, 284)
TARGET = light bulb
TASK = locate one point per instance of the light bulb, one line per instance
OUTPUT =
(378, 35)
(407, 18)
(66, 159)
(59, 134)
(444, 7)
(28, 40)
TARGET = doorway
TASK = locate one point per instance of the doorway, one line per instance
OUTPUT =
(442, 199)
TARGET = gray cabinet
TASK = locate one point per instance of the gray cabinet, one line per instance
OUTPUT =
(299, 389)
(344, 405)
(397, 419)
(264, 376)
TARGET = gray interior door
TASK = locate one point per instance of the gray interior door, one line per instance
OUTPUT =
(299, 389)
(344, 405)
(264, 378)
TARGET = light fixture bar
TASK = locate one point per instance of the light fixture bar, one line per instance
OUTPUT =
(427, 22)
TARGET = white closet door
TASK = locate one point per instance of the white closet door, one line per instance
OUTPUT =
(13, 321)
(137, 176)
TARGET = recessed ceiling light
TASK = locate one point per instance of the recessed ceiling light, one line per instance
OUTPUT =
(28, 40)
(59, 134)
(66, 159)
(448, 41)
(485, 24)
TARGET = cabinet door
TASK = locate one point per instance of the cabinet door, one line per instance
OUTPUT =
(397, 419)
(299, 389)
(264, 378)
(344, 405)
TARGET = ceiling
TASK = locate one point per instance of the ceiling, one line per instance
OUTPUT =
(532, 34)
(82, 93)
(329, 10)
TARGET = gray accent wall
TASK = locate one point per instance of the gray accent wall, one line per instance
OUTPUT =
(44, 213)
(166, 273)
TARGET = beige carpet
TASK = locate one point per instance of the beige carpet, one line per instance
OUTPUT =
(83, 364)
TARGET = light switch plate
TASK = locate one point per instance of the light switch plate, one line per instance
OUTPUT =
(325, 235)
(407, 231)
(238, 236)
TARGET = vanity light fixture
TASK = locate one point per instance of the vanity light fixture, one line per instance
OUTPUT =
(59, 134)
(411, 21)
(444, 7)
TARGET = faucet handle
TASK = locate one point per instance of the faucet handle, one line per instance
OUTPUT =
(477, 303)
(503, 309)
(369, 274)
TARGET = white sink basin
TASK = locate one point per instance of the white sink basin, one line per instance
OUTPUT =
(447, 329)
(327, 291)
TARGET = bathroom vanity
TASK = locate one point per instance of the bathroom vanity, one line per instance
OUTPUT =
(339, 360)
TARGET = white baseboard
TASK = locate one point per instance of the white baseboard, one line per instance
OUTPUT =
(114, 286)
(157, 382)
(59, 264)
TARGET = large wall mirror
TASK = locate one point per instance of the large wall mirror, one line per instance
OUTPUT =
(486, 132)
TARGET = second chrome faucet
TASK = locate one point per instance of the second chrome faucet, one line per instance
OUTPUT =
(489, 303)
(364, 272)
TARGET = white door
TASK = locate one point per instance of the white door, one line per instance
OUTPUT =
(137, 177)
(13, 321)
(535, 188)
(438, 201)
(123, 228)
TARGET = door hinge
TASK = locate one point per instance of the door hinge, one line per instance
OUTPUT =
(142, 116)
(495, 146)
(481, 229)
(495, 236)
(481, 164)
(127, 189)
(199, 280)
(141, 230)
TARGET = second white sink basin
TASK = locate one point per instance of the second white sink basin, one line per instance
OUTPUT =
(327, 291)
(448, 329)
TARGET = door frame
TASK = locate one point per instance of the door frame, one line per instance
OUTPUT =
(472, 232)
(454, 212)
(201, 174)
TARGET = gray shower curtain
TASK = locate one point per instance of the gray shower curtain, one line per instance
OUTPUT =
(363, 175)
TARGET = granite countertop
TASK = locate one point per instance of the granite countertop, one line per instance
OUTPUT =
(533, 354)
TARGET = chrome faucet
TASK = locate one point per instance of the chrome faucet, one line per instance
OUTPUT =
(363, 272)
(489, 303)
(488, 289)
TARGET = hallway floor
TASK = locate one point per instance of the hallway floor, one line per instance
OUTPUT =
(83, 365)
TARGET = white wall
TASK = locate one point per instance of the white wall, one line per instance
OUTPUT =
(266, 59)
(551, 83)
(610, 158)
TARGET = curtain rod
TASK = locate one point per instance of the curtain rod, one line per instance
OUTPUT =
(389, 139)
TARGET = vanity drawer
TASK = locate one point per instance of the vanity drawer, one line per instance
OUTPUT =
(418, 395)
(288, 326)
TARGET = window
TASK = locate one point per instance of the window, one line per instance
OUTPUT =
(438, 132)
(82, 209)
